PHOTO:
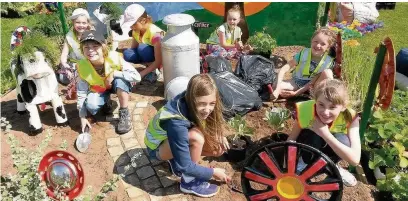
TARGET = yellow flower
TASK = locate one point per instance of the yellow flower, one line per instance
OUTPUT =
(352, 43)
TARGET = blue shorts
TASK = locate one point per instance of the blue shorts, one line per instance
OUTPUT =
(300, 82)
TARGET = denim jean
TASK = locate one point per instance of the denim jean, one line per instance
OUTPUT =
(142, 54)
(95, 101)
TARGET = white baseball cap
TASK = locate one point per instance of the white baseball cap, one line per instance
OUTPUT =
(78, 12)
(132, 14)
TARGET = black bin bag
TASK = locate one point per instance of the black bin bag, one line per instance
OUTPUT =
(218, 64)
(257, 72)
(237, 97)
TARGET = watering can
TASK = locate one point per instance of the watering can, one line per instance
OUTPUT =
(83, 140)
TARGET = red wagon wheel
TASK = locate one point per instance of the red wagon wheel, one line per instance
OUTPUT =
(339, 56)
(274, 172)
(387, 76)
(61, 170)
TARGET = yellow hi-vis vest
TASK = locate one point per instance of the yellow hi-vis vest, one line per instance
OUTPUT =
(305, 112)
(154, 133)
(302, 70)
(75, 53)
(88, 73)
(148, 35)
(230, 36)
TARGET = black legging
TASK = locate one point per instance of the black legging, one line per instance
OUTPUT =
(310, 138)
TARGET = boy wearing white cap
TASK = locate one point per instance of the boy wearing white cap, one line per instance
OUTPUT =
(146, 41)
(71, 52)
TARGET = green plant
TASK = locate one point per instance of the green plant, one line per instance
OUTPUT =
(239, 125)
(357, 63)
(20, 9)
(397, 183)
(276, 117)
(37, 41)
(112, 9)
(262, 42)
(386, 137)
(26, 184)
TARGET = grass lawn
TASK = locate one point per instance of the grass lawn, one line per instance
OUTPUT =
(395, 26)
(7, 28)
(358, 62)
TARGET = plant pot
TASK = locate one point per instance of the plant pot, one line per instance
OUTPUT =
(238, 147)
(384, 195)
(279, 137)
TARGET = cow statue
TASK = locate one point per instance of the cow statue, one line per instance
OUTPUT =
(36, 83)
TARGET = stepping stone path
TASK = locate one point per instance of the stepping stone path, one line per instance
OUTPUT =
(143, 179)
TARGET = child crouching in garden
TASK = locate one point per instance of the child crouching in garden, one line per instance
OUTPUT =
(100, 74)
(186, 128)
(329, 125)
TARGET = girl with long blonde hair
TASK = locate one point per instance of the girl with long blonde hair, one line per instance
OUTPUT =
(186, 128)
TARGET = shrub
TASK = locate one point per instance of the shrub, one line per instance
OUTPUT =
(386, 137)
(26, 184)
(262, 42)
(397, 183)
(14, 9)
(37, 41)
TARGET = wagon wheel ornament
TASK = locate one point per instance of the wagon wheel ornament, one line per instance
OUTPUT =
(339, 56)
(61, 170)
(277, 167)
(387, 76)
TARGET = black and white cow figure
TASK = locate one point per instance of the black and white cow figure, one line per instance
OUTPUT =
(36, 84)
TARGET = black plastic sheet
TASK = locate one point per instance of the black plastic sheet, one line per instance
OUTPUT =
(237, 97)
(257, 72)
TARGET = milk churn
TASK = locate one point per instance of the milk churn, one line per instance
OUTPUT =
(180, 48)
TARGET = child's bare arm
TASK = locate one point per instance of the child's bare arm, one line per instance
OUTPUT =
(350, 154)
(293, 135)
(135, 44)
(223, 42)
(64, 55)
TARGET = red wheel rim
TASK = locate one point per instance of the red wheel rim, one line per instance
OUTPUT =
(53, 158)
(282, 178)
(339, 57)
(387, 76)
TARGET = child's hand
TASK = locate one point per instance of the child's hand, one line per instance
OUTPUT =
(239, 45)
(320, 128)
(108, 80)
(288, 93)
(219, 174)
(225, 145)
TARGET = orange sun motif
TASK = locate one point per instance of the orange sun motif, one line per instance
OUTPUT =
(250, 8)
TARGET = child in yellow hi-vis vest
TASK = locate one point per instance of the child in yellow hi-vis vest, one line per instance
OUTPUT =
(146, 41)
(327, 124)
(101, 73)
(225, 41)
(187, 127)
(311, 66)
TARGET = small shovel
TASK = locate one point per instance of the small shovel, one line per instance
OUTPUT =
(83, 140)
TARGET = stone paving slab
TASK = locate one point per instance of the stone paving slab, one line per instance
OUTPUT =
(144, 179)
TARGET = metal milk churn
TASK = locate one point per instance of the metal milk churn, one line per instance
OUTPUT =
(180, 48)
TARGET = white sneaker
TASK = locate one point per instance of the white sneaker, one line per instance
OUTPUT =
(348, 178)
